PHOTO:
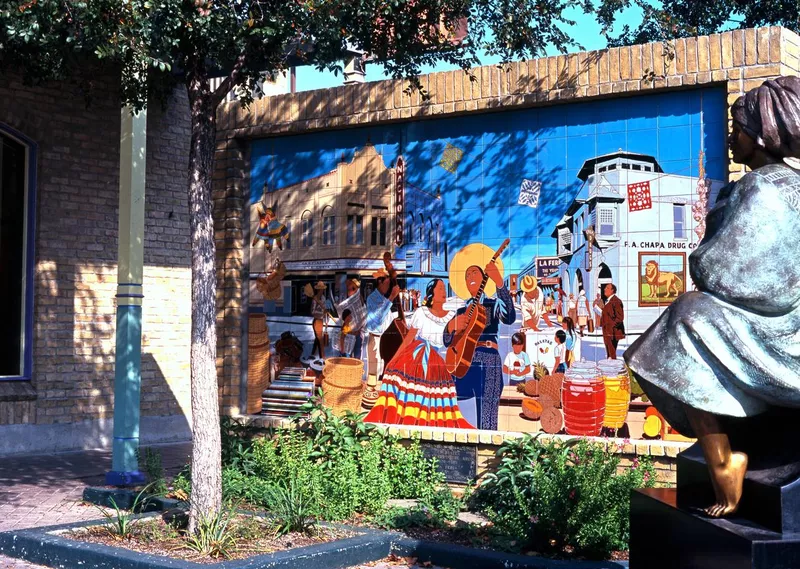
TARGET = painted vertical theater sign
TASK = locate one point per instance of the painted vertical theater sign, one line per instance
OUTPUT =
(486, 271)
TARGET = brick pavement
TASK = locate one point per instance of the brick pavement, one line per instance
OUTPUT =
(44, 490)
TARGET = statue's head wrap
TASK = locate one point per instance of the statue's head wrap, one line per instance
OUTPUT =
(770, 115)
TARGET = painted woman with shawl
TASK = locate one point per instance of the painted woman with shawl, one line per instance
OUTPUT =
(417, 388)
(726, 358)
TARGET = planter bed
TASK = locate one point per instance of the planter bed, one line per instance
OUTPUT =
(49, 546)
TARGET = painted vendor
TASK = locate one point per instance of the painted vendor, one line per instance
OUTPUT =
(379, 317)
(479, 390)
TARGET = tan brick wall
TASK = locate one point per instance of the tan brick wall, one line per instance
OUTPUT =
(76, 254)
(739, 60)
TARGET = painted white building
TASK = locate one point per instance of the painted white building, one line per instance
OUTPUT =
(644, 230)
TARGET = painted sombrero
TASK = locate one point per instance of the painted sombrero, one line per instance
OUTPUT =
(476, 254)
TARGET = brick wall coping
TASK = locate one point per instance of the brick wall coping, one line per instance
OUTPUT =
(738, 56)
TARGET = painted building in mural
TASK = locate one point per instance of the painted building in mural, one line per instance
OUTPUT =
(631, 224)
(340, 223)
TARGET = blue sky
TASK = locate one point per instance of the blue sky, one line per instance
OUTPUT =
(586, 28)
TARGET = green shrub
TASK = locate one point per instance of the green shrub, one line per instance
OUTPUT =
(411, 474)
(556, 494)
(438, 510)
(183, 480)
(291, 509)
(341, 465)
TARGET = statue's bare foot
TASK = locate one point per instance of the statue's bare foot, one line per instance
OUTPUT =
(728, 480)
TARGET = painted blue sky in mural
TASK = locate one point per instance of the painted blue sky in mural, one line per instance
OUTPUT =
(501, 149)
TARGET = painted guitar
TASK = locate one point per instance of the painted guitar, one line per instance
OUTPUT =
(462, 350)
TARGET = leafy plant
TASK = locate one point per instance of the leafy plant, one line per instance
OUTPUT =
(291, 509)
(555, 494)
(214, 536)
(237, 444)
(182, 483)
(120, 522)
(151, 461)
(439, 510)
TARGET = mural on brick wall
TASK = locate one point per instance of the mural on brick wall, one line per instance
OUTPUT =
(485, 271)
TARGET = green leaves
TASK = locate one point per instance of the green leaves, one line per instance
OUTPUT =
(553, 494)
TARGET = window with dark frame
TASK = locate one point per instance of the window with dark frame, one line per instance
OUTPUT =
(13, 245)
(308, 230)
(328, 227)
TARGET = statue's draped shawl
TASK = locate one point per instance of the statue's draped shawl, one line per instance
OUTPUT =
(733, 347)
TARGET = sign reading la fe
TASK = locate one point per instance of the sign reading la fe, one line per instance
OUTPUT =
(547, 266)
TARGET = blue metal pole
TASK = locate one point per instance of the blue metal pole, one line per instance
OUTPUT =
(128, 365)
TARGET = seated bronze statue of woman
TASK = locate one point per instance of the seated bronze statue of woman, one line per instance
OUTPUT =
(725, 356)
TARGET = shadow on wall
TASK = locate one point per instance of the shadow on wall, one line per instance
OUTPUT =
(74, 365)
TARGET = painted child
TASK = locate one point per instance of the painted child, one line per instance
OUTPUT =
(560, 352)
(517, 364)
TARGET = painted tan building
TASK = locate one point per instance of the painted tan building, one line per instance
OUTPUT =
(336, 221)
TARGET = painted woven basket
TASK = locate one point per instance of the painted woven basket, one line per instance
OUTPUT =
(342, 387)
(258, 356)
(257, 325)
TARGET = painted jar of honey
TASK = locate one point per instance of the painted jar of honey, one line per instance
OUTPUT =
(618, 392)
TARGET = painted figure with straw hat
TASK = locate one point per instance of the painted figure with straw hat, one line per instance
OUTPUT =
(269, 230)
(532, 304)
(476, 275)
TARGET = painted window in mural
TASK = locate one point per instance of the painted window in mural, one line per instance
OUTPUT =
(493, 267)
(14, 243)
(355, 229)
(328, 226)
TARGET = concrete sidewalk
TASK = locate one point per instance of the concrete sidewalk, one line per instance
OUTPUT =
(43, 490)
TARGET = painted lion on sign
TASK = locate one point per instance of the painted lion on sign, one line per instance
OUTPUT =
(657, 279)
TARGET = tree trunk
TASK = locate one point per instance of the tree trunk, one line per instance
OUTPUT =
(206, 499)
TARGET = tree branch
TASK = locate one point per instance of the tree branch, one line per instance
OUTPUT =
(230, 81)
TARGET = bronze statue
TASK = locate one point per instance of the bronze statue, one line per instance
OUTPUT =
(728, 355)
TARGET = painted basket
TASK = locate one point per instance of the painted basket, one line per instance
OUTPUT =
(258, 356)
(342, 388)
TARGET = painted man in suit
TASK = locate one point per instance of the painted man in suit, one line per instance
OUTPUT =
(612, 320)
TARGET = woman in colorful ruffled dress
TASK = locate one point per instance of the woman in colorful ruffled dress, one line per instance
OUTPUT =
(417, 388)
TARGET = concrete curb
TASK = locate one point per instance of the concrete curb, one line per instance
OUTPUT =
(43, 546)
(124, 499)
(462, 557)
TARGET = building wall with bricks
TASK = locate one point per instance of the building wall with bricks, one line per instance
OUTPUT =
(67, 403)
(729, 63)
